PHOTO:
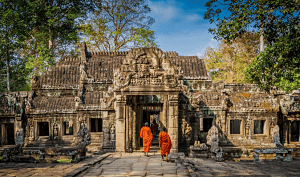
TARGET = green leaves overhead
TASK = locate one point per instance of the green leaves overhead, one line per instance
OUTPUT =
(119, 25)
(278, 21)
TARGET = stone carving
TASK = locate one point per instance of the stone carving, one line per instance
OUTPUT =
(146, 66)
(286, 104)
(78, 101)
(248, 131)
(28, 105)
(276, 137)
(112, 133)
(256, 157)
(82, 120)
(19, 141)
(107, 102)
(35, 83)
(212, 135)
(83, 75)
(105, 136)
(186, 131)
(83, 136)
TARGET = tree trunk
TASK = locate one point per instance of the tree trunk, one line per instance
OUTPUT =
(7, 73)
(261, 36)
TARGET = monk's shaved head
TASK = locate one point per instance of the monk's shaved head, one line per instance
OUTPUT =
(164, 129)
(146, 124)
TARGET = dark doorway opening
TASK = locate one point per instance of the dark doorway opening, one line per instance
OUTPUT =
(295, 131)
(96, 125)
(207, 124)
(10, 132)
(43, 128)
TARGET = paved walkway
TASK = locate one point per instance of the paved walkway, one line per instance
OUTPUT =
(136, 164)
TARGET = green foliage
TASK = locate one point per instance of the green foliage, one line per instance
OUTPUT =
(228, 61)
(13, 22)
(64, 160)
(33, 33)
(118, 24)
(278, 21)
(53, 27)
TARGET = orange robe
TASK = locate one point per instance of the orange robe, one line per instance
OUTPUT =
(164, 143)
(147, 138)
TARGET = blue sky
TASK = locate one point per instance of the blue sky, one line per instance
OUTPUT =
(180, 26)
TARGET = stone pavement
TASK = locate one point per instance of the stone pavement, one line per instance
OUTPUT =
(208, 167)
(136, 164)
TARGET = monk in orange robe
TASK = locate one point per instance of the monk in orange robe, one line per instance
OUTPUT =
(165, 144)
(147, 138)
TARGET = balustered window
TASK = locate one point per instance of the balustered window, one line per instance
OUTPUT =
(259, 126)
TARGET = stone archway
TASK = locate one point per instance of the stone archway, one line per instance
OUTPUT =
(144, 72)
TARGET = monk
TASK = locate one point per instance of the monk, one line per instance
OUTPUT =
(147, 138)
(165, 144)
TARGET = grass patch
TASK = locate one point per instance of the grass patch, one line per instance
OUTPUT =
(64, 160)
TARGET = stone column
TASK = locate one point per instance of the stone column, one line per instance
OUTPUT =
(173, 122)
(134, 141)
(106, 128)
(120, 123)
(285, 131)
(164, 114)
(36, 130)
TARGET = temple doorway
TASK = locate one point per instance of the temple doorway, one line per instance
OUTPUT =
(151, 115)
(10, 133)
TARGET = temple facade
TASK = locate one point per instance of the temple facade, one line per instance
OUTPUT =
(114, 93)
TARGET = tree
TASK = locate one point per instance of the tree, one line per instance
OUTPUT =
(13, 20)
(53, 28)
(278, 21)
(228, 61)
(117, 23)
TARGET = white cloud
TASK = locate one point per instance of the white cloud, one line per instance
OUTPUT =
(193, 17)
(163, 10)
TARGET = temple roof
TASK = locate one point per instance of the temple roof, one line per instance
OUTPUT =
(101, 67)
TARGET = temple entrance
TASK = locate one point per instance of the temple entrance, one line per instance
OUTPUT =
(151, 115)
(10, 133)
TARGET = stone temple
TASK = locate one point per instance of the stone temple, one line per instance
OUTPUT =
(115, 93)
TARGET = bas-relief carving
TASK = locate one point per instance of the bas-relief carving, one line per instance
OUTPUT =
(186, 131)
(146, 66)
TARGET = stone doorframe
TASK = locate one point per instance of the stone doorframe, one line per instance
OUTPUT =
(122, 116)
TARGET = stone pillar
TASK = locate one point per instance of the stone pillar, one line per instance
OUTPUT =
(285, 131)
(173, 122)
(134, 141)
(106, 129)
(165, 112)
(36, 130)
(130, 126)
(120, 123)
